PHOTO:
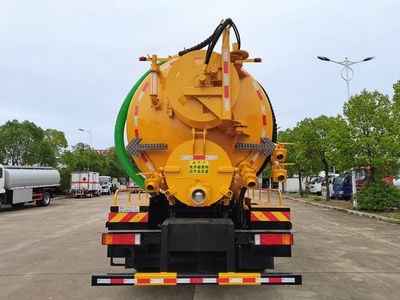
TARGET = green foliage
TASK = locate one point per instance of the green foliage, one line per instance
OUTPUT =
(378, 195)
(374, 131)
(27, 144)
(320, 145)
(83, 157)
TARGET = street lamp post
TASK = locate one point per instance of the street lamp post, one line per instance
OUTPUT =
(347, 72)
(90, 142)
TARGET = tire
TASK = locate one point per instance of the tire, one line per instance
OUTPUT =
(46, 200)
(16, 205)
(89, 195)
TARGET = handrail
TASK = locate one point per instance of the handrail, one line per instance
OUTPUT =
(269, 195)
(129, 190)
(268, 191)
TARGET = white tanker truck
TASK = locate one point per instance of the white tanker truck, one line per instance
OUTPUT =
(19, 185)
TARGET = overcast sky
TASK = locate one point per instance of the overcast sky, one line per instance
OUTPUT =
(69, 64)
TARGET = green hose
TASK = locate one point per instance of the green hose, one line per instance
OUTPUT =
(125, 161)
(124, 158)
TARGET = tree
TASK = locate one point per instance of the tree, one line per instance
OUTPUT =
(113, 167)
(318, 145)
(27, 144)
(51, 147)
(295, 155)
(374, 130)
(83, 156)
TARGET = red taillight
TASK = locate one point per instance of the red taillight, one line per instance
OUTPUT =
(120, 239)
(273, 239)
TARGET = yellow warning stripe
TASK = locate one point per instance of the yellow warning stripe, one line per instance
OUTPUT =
(138, 217)
(268, 216)
(260, 216)
(118, 217)
(128, 217)
(280, 216)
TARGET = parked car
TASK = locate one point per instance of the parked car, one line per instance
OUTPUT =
(342, 187)
(315, 185)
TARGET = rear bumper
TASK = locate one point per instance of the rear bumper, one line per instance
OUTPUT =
(145, 279)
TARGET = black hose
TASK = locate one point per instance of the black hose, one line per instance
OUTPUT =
(212, 40)
(196, 47)
(217, 34)
(201, 45)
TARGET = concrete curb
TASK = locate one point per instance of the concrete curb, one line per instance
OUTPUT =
(350, 211)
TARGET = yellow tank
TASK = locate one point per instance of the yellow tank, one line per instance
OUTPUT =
(199, 127)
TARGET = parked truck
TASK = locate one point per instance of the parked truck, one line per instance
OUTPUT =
(23, 184)
(200, 130)
(106, 185)
(85, 184)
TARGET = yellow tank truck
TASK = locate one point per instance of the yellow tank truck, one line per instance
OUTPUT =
(200, 130)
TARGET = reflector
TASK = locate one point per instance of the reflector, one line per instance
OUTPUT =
(273, 239)
(120, 239)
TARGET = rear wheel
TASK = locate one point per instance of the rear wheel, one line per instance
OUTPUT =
(45, 201)
(90, 195)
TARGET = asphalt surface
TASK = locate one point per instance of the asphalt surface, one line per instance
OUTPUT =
(51, 252)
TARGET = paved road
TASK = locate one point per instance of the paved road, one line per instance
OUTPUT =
(51, 252)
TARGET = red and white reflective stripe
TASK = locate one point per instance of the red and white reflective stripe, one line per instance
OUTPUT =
(147, 161)
(259, 95)
(197, 280)
(263, 120)
(169, 64)
(136, 123)
(136, 118)
(155, 281)
(254, 158)
(142, 91)
(198, 157)
(227, 101)
(276, 280)
(116, 281)
(264, 132)
(154, 83)
(264, 116)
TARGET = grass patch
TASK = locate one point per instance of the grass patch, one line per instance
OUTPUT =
(396, 215)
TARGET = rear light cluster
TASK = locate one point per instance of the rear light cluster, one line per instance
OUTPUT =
(269, 239)
(121, 239)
